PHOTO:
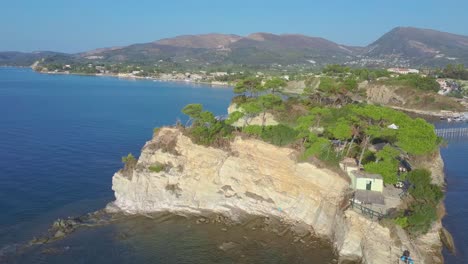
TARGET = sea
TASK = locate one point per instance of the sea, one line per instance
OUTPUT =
(61, 140)
(455, 156)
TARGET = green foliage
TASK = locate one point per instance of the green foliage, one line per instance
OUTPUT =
(234, 117)
(385, 165)
(128, 159)
(193, 110)
(387, 168)
(279, 135)
(421, 218)
(328, 85)
(455, 72)
(415, 81)
(333, 69)
(321, 113)
(206, 129)
(275, 84)
(207, 135)
(341, 129)
(254, 130)
(269, 102)
(401, 221)
(416, 136)
(157, 167)
(422, 211)
(349, 84)
(421, 187)
(317, 145)
(387, 153)
(364, 74)
(252, 108)
(250, 85)
(368, 157)
(321, 148)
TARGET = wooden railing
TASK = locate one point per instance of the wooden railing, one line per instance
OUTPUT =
(366, 210)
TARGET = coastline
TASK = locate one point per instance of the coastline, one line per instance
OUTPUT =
(133, 77)
(429, 113)
(140, 191)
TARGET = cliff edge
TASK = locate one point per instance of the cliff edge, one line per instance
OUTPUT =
(257, 178)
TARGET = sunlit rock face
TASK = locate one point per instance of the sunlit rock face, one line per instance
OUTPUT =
(256, 178)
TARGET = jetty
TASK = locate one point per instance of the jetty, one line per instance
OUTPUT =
(452, 133)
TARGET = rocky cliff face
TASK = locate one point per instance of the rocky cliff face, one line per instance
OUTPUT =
(409, 99)
(253, 177)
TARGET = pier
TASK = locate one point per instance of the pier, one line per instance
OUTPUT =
(452, 133)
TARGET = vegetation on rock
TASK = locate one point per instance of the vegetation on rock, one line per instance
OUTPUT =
(329, 131)
(157, 167)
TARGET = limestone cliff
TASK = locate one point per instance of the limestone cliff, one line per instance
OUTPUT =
(409, 99)
(253, 177)
(266, 119)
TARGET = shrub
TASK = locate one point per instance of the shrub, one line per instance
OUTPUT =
(420, 218)
(129, 159)
(130, 163)
(157, 167)
(388, 170)
(401, 221)
(422, 189)
(279, 135)
(319, 145)
(207, 135)
(415, 81)
(422, 211)
(254, 130)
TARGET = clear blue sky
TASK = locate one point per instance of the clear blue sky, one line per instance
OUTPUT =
(73, 26)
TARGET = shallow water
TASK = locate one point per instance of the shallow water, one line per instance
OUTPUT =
(167, 238)
(62, 138)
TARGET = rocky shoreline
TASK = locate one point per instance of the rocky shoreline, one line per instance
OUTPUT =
(234, 238)
(256, 178)
(251, 182)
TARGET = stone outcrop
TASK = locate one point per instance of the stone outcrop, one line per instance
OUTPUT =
(255, 178)
(266, 119)
(381, 94)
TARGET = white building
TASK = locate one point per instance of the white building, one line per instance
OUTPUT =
(402, 70)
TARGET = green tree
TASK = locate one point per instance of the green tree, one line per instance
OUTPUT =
(385, 165)
(268, 102)
(421, 187)
(417, 136)
(234, 117)
(193, 110)
(250, 86)
(275, 84)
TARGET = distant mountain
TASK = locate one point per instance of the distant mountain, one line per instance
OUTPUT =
(265, 48)
(420, 46)
(204, 41)
(402, 46)
(14, 58)
(209, 49)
